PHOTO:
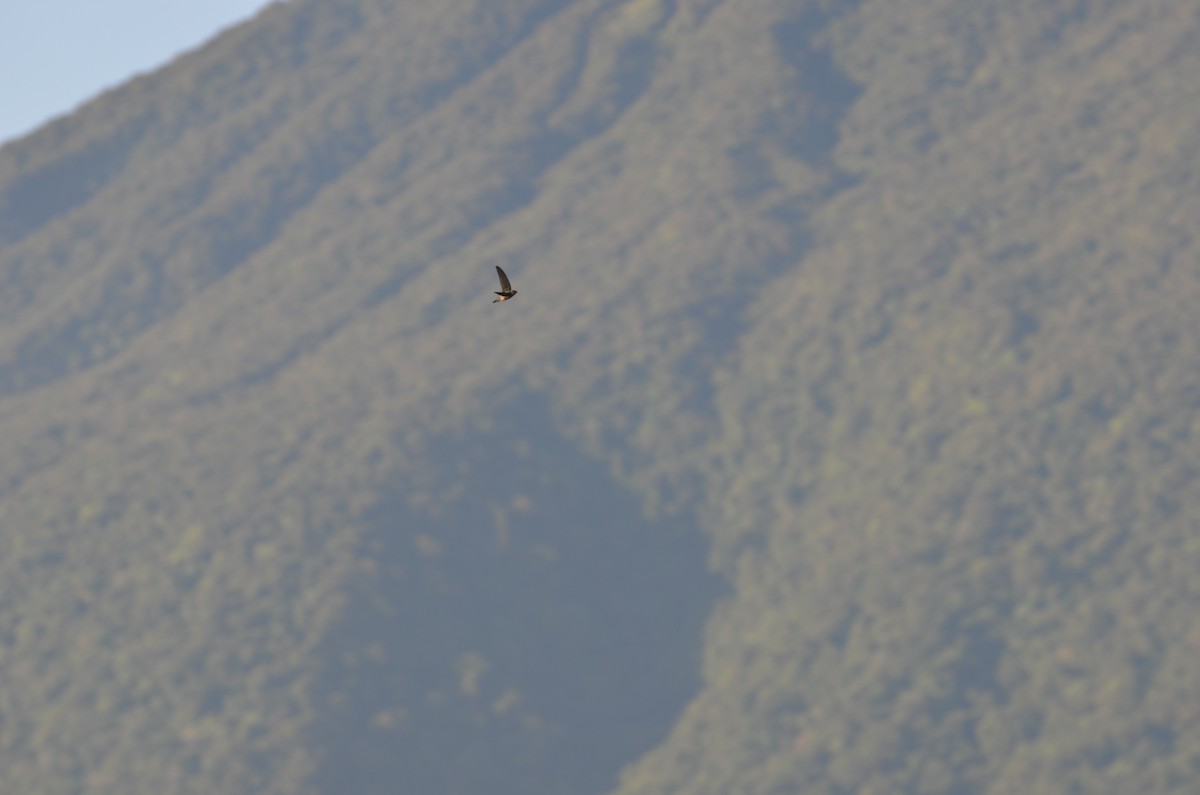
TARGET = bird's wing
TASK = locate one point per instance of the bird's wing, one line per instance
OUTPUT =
(504, 285)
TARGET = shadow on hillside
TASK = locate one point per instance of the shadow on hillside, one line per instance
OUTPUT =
(518, 627)
(825, 92)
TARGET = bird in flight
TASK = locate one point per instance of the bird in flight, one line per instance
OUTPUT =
(506, 290)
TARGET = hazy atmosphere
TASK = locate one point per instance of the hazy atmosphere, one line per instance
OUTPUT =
(839, 440)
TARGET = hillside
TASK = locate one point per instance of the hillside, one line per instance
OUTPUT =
(841, 438)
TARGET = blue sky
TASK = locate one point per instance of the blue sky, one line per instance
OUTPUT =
(57, 54)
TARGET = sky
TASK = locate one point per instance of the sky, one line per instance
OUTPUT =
(57, 54)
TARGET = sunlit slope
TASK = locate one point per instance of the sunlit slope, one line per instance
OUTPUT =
(959, 453)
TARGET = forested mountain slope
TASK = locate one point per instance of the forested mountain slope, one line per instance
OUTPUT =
(841, 438)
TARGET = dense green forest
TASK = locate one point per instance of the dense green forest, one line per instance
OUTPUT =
(842, 438)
